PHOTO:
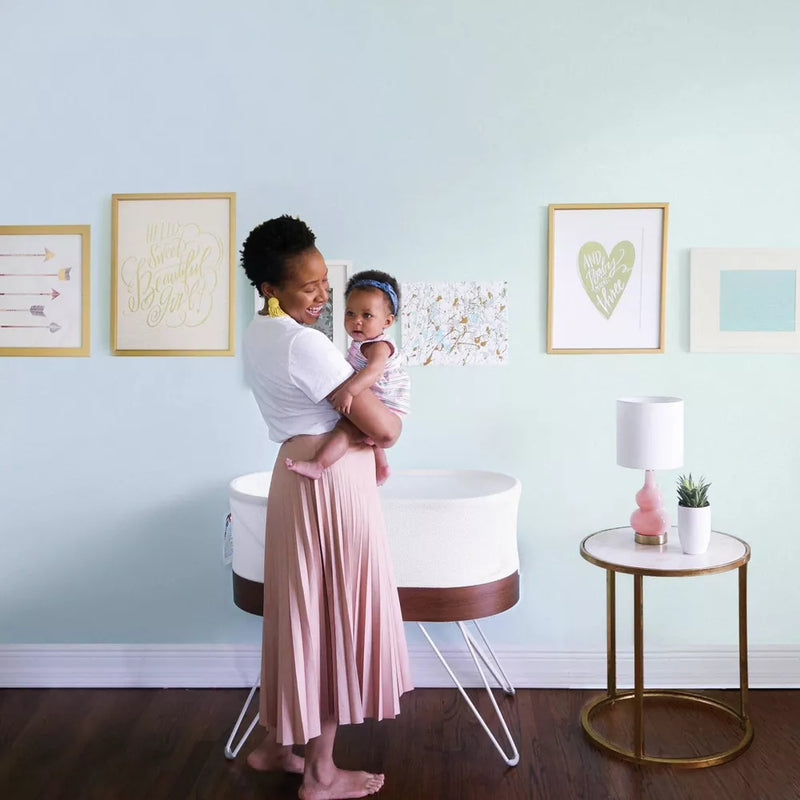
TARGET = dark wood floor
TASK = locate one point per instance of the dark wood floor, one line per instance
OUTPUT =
(80, 744)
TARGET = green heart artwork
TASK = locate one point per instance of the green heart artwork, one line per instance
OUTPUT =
(605, 276)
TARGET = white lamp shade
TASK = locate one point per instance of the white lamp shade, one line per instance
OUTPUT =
(650, 432)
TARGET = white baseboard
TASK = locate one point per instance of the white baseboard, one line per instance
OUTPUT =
(128, 666)
(220, 666)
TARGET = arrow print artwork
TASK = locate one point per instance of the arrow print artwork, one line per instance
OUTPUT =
(36, 311)
(45, 255)
(62, 274)
(52, 294)
(37, 319)
(53, 327)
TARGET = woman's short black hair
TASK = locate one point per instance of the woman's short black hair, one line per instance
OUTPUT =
(374, 275)
(270, 245)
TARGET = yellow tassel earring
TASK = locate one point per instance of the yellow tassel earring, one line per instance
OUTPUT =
(274, 308)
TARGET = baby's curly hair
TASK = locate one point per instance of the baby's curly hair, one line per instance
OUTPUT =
(270, 245)
(375, 275)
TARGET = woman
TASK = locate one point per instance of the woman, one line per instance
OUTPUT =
(333, 649)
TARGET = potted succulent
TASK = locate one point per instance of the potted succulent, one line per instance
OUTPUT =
(694, 514)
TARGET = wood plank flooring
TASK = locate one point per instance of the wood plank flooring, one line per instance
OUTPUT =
(142, 744)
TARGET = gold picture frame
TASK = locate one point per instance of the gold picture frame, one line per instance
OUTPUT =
(44, 290)
(173, 274)
(607, 272)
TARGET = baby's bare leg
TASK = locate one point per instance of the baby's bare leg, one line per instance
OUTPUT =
(332, 449)
(382, 470)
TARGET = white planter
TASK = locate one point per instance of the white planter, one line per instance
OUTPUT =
(694, 529)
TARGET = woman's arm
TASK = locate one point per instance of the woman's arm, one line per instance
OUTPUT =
(372, 417)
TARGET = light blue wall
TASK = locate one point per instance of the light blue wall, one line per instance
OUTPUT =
(425, 138)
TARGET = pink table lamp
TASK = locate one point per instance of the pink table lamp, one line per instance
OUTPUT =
(650, 437)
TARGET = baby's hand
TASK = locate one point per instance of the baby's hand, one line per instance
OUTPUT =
(341, 400)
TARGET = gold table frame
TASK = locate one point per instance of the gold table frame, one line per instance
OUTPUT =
(613, 697)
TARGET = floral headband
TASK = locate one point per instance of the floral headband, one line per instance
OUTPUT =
(384, 287)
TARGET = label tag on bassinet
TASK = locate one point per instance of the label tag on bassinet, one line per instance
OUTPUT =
(227, 541)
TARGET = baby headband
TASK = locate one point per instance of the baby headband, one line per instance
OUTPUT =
(384, 287)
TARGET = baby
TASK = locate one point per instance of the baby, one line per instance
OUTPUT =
(372, 300)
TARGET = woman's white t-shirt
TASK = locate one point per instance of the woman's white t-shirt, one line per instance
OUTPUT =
(291, 369)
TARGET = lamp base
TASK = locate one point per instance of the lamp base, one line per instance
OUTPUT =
(650, 521)
(643, 538)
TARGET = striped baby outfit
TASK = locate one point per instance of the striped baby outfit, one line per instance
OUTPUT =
(393, 388)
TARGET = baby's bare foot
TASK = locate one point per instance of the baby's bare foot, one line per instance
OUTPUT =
(272, 757)
(345, 784)
(311, 469)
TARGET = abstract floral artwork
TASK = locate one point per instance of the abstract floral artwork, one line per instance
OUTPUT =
(461, 323)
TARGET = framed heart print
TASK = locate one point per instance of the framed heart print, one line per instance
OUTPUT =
(607, 266)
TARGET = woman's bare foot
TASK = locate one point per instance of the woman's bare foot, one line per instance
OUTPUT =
(269, 756)
(311, 469)
(343, 784)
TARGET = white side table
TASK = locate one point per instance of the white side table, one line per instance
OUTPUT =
(615, 550)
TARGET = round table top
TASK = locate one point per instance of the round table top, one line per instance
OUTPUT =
(616, 549)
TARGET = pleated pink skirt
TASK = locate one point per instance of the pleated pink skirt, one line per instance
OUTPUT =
(334, 645)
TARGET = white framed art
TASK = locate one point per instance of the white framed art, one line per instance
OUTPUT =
(331, 320)
(173, 272)
(607, 269)
(744, 300)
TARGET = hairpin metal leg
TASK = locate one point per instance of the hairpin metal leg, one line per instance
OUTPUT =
(494, 666)
(230, 754)
(512, 759)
